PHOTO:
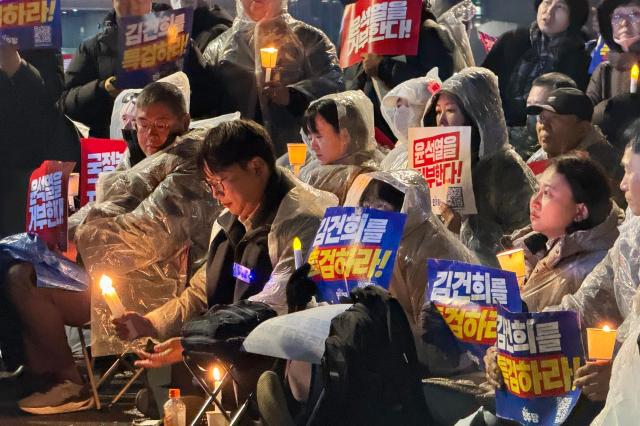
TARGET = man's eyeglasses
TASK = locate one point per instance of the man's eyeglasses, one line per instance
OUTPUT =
(631, 18)
(145, 126)
(216, 184)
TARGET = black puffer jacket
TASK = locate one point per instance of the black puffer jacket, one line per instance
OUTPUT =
(84, 98)
(514, 47)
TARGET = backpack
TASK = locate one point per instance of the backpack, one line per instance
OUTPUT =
(370, 368)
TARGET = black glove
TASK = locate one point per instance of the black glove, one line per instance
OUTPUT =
(300, 289)
(435, 331)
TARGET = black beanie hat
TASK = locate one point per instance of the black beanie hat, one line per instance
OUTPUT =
(605, 10)
(579, 13)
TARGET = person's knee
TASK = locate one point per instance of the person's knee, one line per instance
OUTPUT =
(20, 279)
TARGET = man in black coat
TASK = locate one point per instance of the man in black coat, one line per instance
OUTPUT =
(435, 49)
(90, 83)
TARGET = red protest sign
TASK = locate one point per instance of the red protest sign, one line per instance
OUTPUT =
(47, 207)
(487, 41)
(443, 156)
(538, 167)
(383, 27)
(97, 156)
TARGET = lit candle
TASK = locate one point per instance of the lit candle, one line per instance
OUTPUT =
(297, 156)
(268, 57)
(513, 261)
(297, 252)
(600, 342)
(217, 382)
(635, 72)
(111, 297)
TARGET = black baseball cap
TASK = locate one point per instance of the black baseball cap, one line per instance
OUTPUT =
(566, 101)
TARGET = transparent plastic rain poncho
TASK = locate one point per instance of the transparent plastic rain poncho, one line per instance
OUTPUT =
(424, 237)
(124, 107)
(606, 295)
(623, 399)
(299, 215)
(502, 182)
(362, 155)
(148, 230)
(454, 16)
(307, 63)
(400, 119)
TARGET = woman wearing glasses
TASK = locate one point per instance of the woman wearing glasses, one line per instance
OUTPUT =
(620, 28)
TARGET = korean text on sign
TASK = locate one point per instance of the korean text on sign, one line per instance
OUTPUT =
(98, 156)
(467, 296)
(152, 45)
(384, 27)
(47, 203)
(442, 155)
(26, 13)
(538, 355)
(29, 24)
(355, 247)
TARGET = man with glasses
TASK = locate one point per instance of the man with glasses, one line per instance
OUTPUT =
(250, 255)
(147, 230)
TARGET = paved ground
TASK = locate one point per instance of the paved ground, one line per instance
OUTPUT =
(123, 413)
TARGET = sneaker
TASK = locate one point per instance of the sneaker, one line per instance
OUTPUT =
(64, 397)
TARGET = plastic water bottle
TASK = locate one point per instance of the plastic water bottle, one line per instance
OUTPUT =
(175, 412)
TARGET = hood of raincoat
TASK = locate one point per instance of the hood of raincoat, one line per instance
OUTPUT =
(353, 106)
(605, 10)
(424, 237)
(477, 90)
(417, 200)
(417, 93)
(362, 153)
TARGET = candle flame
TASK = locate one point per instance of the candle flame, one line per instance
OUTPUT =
(268, 57)
(106, 285)
(297, 244)
(635, 72)
(172, 34)
(216, 374)
(606, 328)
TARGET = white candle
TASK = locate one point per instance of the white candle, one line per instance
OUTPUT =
(297, 252)
(111, 297)
(635, 72)
(217, 382)
(268, 58)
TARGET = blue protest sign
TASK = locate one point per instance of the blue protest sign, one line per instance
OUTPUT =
(467, 296)
(31, 24)
(599, 54)
(152, 46)
(538, 354)
(355, 247)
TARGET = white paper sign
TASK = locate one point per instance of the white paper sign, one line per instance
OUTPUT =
(443, 156)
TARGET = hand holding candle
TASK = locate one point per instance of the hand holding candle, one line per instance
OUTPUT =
(635, 73)
(111, 297)
(115, 305)
(600, 342)
(268, 58)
